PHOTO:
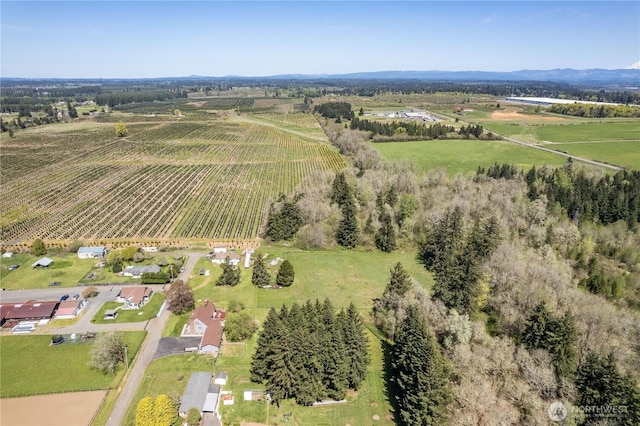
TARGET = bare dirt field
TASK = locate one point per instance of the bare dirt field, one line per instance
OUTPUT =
(64, 409)
(510, 115)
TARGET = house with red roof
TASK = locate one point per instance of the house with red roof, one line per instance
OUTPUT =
(134, 297)
(208, 322)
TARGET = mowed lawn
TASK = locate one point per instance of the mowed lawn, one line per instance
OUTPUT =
(30, 365)
(465, 156)
(147, 312)
(168, 376)
(343, 276)
(67, 269)
(625, 154)
(361, 407)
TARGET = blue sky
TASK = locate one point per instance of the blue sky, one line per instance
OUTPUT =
(111, 39)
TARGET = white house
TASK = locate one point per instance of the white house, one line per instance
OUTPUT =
(97, 252)
(137, 271)
(219, 250)
(7, 254)
(134, 297)
(150, 249)
(247, 258)
(219, 258)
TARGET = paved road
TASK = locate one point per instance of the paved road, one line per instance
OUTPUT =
(154, 328)
(574, 157)
(145, 356)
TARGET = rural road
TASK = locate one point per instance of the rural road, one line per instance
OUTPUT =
(564, 154)
(154, 327)
(145, 356)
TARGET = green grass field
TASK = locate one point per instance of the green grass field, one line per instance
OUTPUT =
(464, 156)
(615, 143)
(30, 365)
(148, 311)
(66, 269)
(169, 376)
(341, 275)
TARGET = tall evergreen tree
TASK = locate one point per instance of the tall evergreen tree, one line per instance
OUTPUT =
(388, 309)
(260, 276)
(386, 235)
(599, 384)
(347, 232)
(340, 190)
(230, 274)
(419, 373)
(356, 345)
(264, 346)
(286, 274)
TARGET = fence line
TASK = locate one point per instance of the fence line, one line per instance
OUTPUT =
(55, 392)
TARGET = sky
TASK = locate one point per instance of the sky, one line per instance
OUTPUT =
(146, 39)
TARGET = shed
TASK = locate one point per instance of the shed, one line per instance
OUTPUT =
(45, 262)
(196, 392)
(221, 378)
(110, 314)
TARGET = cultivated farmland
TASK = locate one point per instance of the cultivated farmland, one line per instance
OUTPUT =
(210, 176)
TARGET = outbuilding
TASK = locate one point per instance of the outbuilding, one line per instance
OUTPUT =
(45, 262)
(97, 252)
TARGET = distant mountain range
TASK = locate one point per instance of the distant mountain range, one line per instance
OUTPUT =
(628, 76)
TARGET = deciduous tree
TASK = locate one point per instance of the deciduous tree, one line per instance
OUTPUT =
(180, 297)
(145, 413)
(38, 248)
(165, 410)
(121, 130)
(109, 349)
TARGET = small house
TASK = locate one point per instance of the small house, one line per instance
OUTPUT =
(134, 297)
(137, 271)
(200, 394)
(97, 252)
(219, 258)
(7, 254)
(69, 308)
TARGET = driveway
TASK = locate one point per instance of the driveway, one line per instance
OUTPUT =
(175, 345)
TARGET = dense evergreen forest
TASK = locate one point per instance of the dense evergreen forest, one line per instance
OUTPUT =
(310, 353)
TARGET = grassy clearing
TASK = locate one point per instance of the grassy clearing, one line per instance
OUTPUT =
(169, 376)
(341, 275)
(370, 400)
(148, 311)
(464, 156)
(66, 269)
(49, 369)
(626, 154)
(601, 131)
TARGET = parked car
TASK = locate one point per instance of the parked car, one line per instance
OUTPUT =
(76, 296)
(64, 297)
(181, 269)
(13, 267)
(54, 283)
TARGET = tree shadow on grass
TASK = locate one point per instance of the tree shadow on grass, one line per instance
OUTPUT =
(390, 387)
